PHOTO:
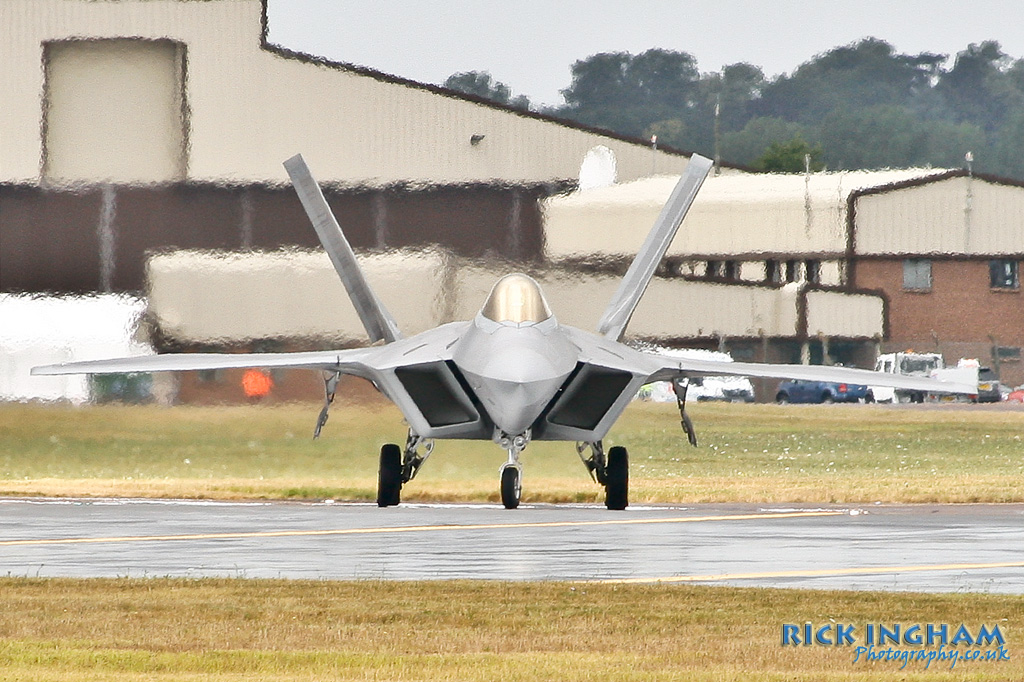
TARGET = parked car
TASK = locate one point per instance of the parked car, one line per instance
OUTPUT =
(989, 388)
(821, 392)
(702, 389)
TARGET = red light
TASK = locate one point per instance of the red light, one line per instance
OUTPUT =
(842, 388)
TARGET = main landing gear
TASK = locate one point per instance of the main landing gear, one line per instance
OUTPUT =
(398, 468)
(610, 470)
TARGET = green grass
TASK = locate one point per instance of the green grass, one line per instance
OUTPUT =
(755, 453)
(156, 629)
(163, 629)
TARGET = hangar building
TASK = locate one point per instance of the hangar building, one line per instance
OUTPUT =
(941, 249)
(138, 125)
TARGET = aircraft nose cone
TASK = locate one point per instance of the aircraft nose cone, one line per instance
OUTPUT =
(514, 371)
(515, 406)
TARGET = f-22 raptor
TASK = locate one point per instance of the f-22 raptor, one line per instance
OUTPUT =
(512, 374)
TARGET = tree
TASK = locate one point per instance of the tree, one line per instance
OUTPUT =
(790, 157)
(481, 84)
(893, 137)
(982, 87)
(863, 74)
(746, 145)
(670, 133)
(627, 93)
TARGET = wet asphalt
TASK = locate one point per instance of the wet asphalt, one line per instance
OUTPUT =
(935, 548)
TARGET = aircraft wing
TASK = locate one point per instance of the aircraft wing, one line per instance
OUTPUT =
(357, 361)
(686, 367)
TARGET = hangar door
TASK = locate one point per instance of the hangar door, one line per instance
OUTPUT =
(114, 111)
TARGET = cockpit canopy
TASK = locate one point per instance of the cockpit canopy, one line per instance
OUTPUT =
(516, 298)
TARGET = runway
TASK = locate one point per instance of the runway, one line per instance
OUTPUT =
(940, 548)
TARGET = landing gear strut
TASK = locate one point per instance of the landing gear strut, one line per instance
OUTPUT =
(398, 468)
(330, 388)
(512, 470)
(611, 471)
(680, 386)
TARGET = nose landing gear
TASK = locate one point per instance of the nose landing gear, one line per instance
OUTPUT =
(512, 470)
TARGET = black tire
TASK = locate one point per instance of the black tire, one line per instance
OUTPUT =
(617, 485)
(389, 476)
(869, 398)
(827, 399)
(511, 486)
(782, 398)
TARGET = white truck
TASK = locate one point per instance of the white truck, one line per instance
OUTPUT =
(913, 364)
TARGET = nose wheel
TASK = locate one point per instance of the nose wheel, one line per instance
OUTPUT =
(511, 485)
(512, 470)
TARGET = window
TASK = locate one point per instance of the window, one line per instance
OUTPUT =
(917, 274)
(1008, 353)
(1003, 274)
(209, 376)
(714, 268)
(792, 270)
(730, 269)
(812, 267)
(772, 273)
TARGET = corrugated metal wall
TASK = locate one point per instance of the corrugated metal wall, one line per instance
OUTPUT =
(250, 108)
(734, 215)
(227, 299)
(956, 216)
(114, 111)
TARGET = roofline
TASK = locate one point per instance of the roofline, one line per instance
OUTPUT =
(851, 203)
(287, 53)
(937, 177)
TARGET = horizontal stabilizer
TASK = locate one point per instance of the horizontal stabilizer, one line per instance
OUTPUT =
(375, 318)
(620, 309)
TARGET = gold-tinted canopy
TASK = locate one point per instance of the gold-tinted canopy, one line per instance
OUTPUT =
(516, 298)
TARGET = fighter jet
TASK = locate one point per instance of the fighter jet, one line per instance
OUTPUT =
(512, 374)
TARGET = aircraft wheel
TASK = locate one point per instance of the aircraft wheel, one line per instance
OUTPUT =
(617, 487)
(511, 486)
(389, 476)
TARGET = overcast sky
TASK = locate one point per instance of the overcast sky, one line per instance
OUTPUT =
(530, 44)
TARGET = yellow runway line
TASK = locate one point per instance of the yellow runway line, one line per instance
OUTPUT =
(826, 572)
(411, 529)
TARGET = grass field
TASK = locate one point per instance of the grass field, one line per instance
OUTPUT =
(167, 629)
(157, 629)
(755, 453)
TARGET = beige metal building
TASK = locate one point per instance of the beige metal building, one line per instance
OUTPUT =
(941, 250)
(294, 299)
(132, 125)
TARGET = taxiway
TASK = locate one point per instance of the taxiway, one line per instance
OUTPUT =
(942, 548)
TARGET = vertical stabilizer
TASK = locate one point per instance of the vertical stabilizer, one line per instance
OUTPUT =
(620, 309)
(375, 317)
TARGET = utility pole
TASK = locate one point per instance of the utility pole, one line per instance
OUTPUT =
(718, 135)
